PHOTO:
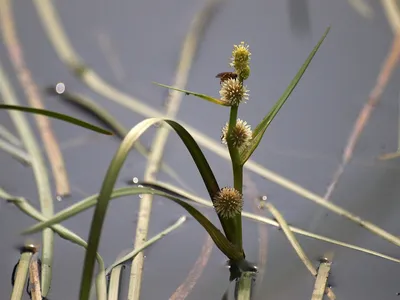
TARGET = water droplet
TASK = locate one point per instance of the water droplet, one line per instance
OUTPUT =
(261, 201)
(60, 88)
(135, 180)
(59, 198)
(140, 195)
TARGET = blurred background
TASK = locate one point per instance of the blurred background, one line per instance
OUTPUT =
(130, 44)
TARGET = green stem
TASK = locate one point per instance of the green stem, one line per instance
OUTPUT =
(237, 169)
(244, 286)
(16, 152)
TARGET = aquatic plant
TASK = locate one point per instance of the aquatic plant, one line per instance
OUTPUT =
(228, 201)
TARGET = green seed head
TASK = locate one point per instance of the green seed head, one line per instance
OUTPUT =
(240, 58)
(240, 136)
(228, 202)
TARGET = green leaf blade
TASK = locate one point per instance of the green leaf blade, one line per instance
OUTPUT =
(110, 180)
(56, 115)
(263, 125)
(202, 96)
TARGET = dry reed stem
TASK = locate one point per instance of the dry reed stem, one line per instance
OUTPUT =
(21, 275)
(320, 287)
(113, 292)
(115, 277)
(30, 89)
(36, 293)
(363, 8)
(188, 52)
(296, 246)
(187, 285)
(392, 14)
(252, 192)
(373, 100)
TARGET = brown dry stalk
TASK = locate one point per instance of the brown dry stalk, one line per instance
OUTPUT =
(36, 293)
(188, 52)
(374, 98)
(187, 285)
(31, 92)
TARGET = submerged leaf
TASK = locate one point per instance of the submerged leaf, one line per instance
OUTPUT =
(56, 115)
(260, 129)
(202, 96)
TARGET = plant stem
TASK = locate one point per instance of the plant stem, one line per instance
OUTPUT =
(392, 14)
(63, 232)
(146, 244)
(40, 173)
(113, 291)
(32, 94)
(16, 152)
(10, 137)
(183, 291)
(237, 170)
(21, 273)
(188, 52)
(296, 246)
(34, 279)
(244, 286)
(321, 281)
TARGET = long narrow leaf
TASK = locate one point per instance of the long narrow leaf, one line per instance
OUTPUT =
(202, 96)
(111, 177)
(220, 240)
(176, 192)
(123, 258)
(81, 206)
(88, 105)
(260, 129)
(56, 115)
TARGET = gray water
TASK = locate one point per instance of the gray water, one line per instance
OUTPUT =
(304, 143)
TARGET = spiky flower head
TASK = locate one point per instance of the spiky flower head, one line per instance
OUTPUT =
(233, 92)
(240, 135)
(228, 202)
(240, 58)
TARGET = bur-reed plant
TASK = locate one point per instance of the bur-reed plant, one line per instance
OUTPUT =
(227, 201)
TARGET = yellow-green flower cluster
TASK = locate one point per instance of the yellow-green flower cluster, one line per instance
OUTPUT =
(240, 60)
